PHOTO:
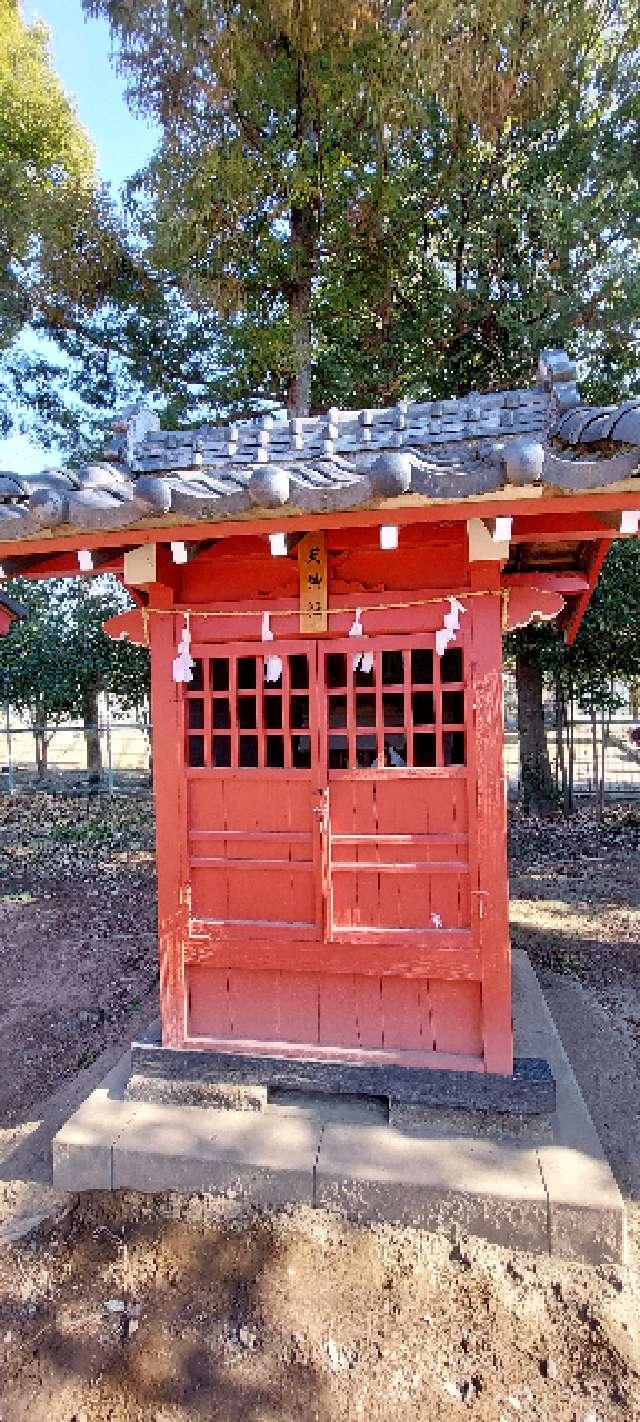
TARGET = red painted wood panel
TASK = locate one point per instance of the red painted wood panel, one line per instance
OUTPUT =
(456, 1017)
(299, 1005)
(338, 1012)
(254, 1005)
(405, 1020)
(369, 1014)
(209, 1014)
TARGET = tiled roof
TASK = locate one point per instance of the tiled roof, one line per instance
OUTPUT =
(445, 449)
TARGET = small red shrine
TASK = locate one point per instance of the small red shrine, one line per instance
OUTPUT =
(324, 600)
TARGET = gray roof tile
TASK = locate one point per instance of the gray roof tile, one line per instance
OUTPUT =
(440, 449)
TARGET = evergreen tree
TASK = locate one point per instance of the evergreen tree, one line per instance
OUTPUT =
(55, 663)
(326, 164)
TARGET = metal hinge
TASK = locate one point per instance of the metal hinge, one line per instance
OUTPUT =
(481, 895)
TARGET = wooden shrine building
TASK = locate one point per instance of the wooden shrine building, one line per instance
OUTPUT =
(325, 601)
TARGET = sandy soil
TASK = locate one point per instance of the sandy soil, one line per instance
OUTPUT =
(163, 1311)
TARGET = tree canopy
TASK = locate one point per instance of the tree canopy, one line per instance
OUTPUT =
(350, 203)
(68, 276)
(361, 199)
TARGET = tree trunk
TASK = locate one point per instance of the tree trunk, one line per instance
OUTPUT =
(299, 383)
(561, 716)
(42, 752)
(595, 763)
(605, 731)
(90, 717)
(535, 772)
(304, 229)
(571, 749)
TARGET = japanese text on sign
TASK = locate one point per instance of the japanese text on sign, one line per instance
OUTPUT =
(312, 563)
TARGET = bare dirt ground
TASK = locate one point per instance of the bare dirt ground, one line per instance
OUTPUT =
(129, 1309)
(78, 964)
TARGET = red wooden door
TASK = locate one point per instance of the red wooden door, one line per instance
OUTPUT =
(253, 838)
(394, 742)
(396, 729)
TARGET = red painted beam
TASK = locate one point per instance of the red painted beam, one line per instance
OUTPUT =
(554, 521)
(572, 532)
(567, 583)
(61, 565)
(396, 511)
(572, 624)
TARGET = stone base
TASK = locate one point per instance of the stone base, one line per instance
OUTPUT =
(529, 1092)
(491, 1125)
(220, 1095)
(539, 1182)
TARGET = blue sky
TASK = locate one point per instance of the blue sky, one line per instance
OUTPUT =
(81, 52)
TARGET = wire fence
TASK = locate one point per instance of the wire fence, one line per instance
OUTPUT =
(55, 758)
(619, 758)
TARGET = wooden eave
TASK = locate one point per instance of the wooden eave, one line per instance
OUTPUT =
(564, 518)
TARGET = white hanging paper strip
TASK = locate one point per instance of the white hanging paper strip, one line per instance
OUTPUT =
(183, 663)
(364, 660)
(450, 625)
(273, 665)
(355, 629)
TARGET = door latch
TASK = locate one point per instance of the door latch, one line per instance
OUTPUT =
(321, 810)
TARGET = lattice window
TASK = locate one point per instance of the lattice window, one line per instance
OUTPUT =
(236, 719)
(402, 707)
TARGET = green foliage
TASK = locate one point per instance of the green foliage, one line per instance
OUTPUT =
(413, 199)
(46, 159)
(607, 647)
(351, 202)
(67, 276)
(58, 658)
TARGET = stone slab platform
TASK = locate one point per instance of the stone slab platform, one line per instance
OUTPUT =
(530, 1091)
(549, 1190)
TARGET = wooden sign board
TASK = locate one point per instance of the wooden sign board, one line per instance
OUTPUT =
(312, 564)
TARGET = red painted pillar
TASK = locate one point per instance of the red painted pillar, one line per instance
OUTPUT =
(169, 789)
(492, 895)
